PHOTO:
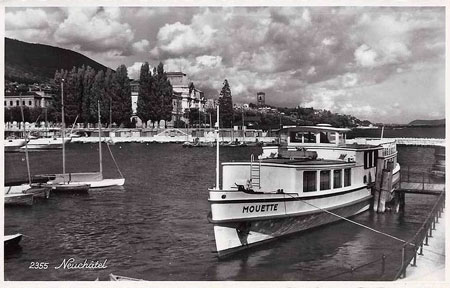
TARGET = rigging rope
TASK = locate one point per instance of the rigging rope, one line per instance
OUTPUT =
(115, 163)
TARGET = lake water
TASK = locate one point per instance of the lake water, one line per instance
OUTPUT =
(156, 228)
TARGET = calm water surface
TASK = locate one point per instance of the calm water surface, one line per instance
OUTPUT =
(156, 227)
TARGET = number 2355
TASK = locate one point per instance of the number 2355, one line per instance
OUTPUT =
(38, 265)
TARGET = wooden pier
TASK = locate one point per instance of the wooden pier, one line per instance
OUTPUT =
(421, 188)
(420, 181)
(429, 142)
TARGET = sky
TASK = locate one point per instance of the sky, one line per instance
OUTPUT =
(383, 64)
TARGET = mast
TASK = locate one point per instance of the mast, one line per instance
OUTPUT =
(217, 149)
(63, 124)
(26, 141)
(99, 138)
(243, 126)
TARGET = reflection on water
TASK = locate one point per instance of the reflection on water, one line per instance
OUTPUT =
(156, 227)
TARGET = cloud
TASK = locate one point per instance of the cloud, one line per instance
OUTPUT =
(178, 38)
(96, 30)
(141, 46)
(135, 70)
(365, 56)
(347, 59)
(27, 19)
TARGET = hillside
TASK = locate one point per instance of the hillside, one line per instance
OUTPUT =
(440, 122)
(28, 63)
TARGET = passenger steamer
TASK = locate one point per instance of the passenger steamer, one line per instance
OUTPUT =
(314, 177)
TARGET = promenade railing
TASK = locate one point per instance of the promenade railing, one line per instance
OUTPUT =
(415, 246)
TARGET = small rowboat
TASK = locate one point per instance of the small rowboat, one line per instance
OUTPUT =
(113, 277)
(11, 241)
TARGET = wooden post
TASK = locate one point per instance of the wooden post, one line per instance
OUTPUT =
(421, 249)
(377, 187)
(386, 188)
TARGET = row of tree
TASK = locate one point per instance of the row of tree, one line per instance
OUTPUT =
(83, 88)
(155, 95)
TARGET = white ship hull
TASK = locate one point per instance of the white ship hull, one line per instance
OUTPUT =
(240, 224)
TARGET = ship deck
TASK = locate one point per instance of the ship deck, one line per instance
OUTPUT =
(289, 161)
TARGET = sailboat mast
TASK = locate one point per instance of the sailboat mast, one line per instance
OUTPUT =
(99, 137)
(217, 150)
(63, 124)
(26, 141)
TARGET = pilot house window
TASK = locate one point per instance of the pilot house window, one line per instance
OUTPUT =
(325, 180)
(347, 177)
(337, 178)
(309, 181)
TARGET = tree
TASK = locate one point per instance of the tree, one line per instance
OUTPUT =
(226, 105)
(121, 104)
(146, 91)
(110, 90)
(79, 91)
(88, 81)
(97, 94)
(71, 92)
(163, 95)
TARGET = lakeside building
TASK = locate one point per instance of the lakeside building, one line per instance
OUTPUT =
(185, 96)
(30, 99)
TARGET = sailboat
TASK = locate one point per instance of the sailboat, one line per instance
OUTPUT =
(20, 192)
(65, 184)
(93, 179)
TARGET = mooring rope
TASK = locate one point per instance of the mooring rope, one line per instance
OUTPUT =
(115, 163)
(351, 221)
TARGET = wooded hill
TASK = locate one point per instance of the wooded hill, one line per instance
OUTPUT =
(29, 63)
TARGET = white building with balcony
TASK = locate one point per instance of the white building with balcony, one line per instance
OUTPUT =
(185, 96)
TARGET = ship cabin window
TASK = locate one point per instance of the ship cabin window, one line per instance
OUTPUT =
(17, 103)
(328, 137)
(309, 181)
(11, 103)
(302, 137)
(347, 177)
(337, 178)
(325, 180)
(370, 159)
(324, 137)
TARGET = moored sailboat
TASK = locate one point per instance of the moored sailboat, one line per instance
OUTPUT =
(13, 145)
(313, 178)
(93, 179)
(22, 192)
(66, 185)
